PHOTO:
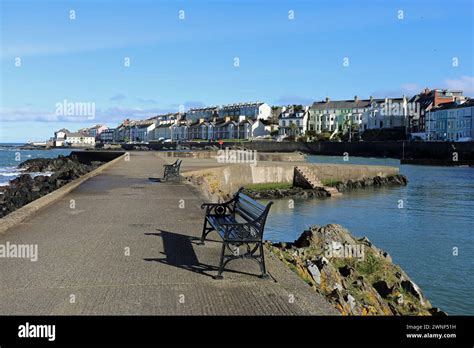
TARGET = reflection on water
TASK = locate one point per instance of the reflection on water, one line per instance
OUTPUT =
(437, 216)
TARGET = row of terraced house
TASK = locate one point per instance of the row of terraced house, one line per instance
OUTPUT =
(437, 114)
(234, 121)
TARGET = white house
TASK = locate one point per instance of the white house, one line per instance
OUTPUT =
(293, 122)
(164, 131)
(248, 129)
(207, 114)
(253, 111)
(60, 136)
(79, 140)
(386, 113)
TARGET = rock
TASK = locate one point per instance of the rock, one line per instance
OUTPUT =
(413, 289)
(24, 189)
(374, 280)
(346, 271)
(383, 288)
(314, 271)
(321, 261)
(359, 282)
(437, 312)
(365, 241)
(385, 255)
(351, 301)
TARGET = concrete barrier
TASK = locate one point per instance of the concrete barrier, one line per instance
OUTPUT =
(28, 210)
(261, 156)
(227, 179)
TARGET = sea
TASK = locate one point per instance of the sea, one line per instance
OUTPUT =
(427, 227)
(11, 156)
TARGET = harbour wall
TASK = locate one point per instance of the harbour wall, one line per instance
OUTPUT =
(225, 180)
(441, 152)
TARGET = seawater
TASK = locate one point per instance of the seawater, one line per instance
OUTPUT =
(437, 216)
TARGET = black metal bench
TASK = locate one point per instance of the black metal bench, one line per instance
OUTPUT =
(239, 222)
(172, 170)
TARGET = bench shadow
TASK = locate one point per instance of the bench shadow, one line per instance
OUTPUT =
(179, 252)
(156, 179)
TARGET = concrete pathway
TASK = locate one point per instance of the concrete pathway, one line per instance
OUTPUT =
(122, 244)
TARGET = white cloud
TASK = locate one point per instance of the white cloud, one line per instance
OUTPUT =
(110, 115)
(465, 84)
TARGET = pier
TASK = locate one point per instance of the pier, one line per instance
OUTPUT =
(121, 244)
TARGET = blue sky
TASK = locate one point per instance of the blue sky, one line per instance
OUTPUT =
(190, 62)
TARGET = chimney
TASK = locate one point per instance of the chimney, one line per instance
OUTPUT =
(356, 98)
(327, 99)
(241, 118)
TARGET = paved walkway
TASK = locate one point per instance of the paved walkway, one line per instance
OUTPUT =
(82, 256)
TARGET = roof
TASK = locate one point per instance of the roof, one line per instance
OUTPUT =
(241, 105)
(344, 104)
(455, 105)
(77, 135)
(299, 114)
(225, 124)
(207, 108)
(268, 122)
(245, 121)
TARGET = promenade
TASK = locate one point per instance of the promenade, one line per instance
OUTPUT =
(122, 244)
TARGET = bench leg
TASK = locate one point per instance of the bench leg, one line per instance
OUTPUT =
(221, 264)
(205, 231)
(262, 263)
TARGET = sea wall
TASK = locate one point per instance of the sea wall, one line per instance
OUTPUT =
(228, 179)
(443, 152)
(261, 156)
(394, 149)
(87, 157)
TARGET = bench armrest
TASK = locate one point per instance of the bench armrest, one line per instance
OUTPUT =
(217, 208)
(232, 200)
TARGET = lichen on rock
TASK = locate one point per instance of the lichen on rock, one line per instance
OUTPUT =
(353, 274)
